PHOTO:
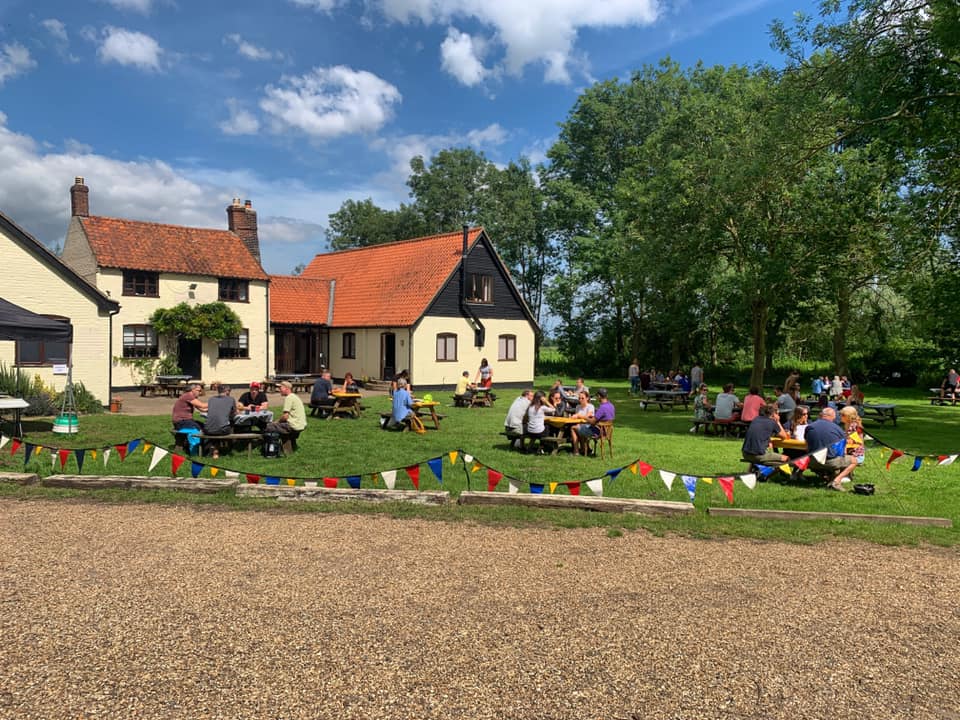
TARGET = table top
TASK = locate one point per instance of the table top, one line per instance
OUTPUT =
(425, 403)
(12, 403)
(560, 421)
(788, 443)
(257, 414)
(173, 378)
(341, 394)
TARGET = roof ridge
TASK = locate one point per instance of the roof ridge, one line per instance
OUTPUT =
(154, 222)
(404, 241)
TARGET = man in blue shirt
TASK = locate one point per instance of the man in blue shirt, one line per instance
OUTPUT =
(825, 433)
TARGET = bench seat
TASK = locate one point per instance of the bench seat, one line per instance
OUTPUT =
(250, 438)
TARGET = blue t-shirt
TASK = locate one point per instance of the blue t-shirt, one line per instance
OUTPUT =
(823, 434)
(402, 404)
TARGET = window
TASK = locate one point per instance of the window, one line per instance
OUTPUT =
(349, 345)
(508, 347)
(140, 341)
(39, 352)
(234, 290)
(238, 347)
(479, 288)
(138, 282)
(446, 347)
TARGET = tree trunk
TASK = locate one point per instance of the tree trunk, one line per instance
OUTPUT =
(759, 312)
(840, 331)
(674, 353)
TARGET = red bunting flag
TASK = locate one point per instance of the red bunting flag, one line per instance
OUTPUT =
(14, 446)
(63, 455)
(727, 484)
(253, 479)
(414, 472)
(329, 482)
(893, 456)
(574, 488)
(802, 463)
(493, 479)
(175, 461)
(122, 449)
(644, 468)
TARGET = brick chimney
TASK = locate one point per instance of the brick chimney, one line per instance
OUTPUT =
(79, 199)
(242, 221)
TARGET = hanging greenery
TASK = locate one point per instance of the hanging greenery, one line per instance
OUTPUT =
(194, 322)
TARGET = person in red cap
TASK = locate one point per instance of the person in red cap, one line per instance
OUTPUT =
(254, 399)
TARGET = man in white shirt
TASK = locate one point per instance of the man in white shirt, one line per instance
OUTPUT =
(727, 406)
(513, 423)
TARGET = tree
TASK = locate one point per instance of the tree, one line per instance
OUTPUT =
(361, 224)
(214, 320)
(453, 190)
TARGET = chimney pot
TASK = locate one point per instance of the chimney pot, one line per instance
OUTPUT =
(242, 222)
(247, 204)
(79, 199)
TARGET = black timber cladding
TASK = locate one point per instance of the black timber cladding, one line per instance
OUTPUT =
(506, 303)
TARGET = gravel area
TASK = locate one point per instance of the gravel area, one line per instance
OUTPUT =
(183, 612)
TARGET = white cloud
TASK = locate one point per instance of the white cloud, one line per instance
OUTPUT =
(128, 47)
(534, 31)
(14, 60)
(461, 57)
(240, 122)
(141, 6)
(249, 50)
(329, 102)
(56, 29)
(318, 5)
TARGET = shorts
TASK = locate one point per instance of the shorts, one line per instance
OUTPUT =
(833, 465)
(768, 457)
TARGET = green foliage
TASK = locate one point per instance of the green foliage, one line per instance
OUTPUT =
(214, 320)
(144, 370)
(44, 400)
(84, 400)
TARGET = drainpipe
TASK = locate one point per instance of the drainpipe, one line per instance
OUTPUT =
(479, 331)
(266, 370)
(109, 354)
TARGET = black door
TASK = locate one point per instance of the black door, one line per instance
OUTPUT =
(388, 355)
(190, 352)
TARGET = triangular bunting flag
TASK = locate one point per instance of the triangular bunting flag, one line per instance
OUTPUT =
(785, 469)
(893, 456)
(353, 481)
(175, 462)
(802, 463)
(917, 462)
(512, 486)
(707, 480)
(726, 483)
(750, 480)
(389, 478)
(820, 455)
(553, 487)
(476, 466)
(414, 472)
(14, 447)
(106, 455)
(330, 482)
(633, 468)
(644, 468)
(3, 441)
(214, 470)
(147, 447)
(690, 483)
(53, 457)
(596, 487)
(948, 460)
(765, 470)
(453, 456)
(574, 488)
(93, 454)
(536, 488)
(80, 455)
(271, 480)
(122, 451)
(467, 458)
(28, 452)
(253, 479)
(493, 479)
(667, 478)
(63, 455)
(839, 447)
(231, 474)
(132, 445)
(158, 454)
(291, 482)
(436, 464)
(612, 474)
(196, 468)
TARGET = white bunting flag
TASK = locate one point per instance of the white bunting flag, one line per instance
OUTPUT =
(513, 488)
(820, 455)
(467, 458)
(231, 474)
(106, 456)
(946, 461)
(158, 454)
(389, 478)
(53, 458)
(667, 478)
(3, 440)
(750, 480)
(596, 486)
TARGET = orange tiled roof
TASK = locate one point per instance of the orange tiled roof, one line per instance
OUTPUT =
(378, 286)
(298, 300)
(155, 247)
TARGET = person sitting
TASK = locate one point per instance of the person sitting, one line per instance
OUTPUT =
(321, 398)
(403, 374)
(403, 413)
(850, 422)
(786, 404)
(556, 403)
(463, 394)
(513, 422)
(580, 387)
(253, 400)
(183, 409)
(756, 443)
(796, 425)
(604, 412)
(727, 405)
(856, 396)
(702, 409)
(293, 419)
(585, 412)
(948, 388)
(825, 433)
(534, 422)
(683, 382)
(752, 404)
(221, 410)
(349, 384)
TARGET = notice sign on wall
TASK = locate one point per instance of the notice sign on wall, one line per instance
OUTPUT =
(60, 369)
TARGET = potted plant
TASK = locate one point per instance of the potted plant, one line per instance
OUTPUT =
(115, 404)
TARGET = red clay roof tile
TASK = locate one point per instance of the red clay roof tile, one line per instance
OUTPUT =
(155, 247)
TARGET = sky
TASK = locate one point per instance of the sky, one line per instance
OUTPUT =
(171, 108)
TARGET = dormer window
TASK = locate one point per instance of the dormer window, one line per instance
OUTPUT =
(479, 288)
(233, 290)
(142, 283)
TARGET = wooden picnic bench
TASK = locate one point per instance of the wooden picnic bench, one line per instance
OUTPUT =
(665, 398)
(725, 428)
(881, 412)
(250, 439)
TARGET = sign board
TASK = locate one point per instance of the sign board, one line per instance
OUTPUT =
(59, 369)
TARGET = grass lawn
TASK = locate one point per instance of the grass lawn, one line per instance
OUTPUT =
(340, 448)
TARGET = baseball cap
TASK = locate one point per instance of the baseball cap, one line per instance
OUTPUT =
(602, 392)
(254, 384)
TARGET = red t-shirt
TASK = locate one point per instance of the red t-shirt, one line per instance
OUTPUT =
(751, 407)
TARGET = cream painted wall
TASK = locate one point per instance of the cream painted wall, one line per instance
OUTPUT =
(174, 289)
(77, 253)
(34, 286)
(367, 361)
(426, 370)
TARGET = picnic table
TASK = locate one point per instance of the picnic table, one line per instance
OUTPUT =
(17, 405)
(428, 408)
(482, 397)
(665, 398)
(788, 443)
(559, 432)
(881, 412)
(345, 404)
(248, 419)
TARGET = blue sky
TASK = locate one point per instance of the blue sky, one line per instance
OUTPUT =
(170, 108)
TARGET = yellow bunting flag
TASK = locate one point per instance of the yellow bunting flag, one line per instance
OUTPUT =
(707, 480)
(375, 477)
(93, 454)
(291, 482)
(633, 468)
(214, 471)
(785, 469)
(553, 486)
(476, 466)
(146, 448)
(453, 456)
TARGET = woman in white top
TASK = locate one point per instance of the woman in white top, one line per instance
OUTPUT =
(579, 433)
(535, 426)
(836, 388)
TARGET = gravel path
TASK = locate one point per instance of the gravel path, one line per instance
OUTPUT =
(181, 612)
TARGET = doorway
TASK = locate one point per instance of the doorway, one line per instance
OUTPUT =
(388, 355)
(189, 353)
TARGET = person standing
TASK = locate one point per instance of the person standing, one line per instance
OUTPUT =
(633, 375)
(484, 375)
(696, 375)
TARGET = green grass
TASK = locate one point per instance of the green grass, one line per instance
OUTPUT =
(337, 448)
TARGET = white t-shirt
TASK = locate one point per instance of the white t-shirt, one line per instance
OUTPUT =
(725, 405)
